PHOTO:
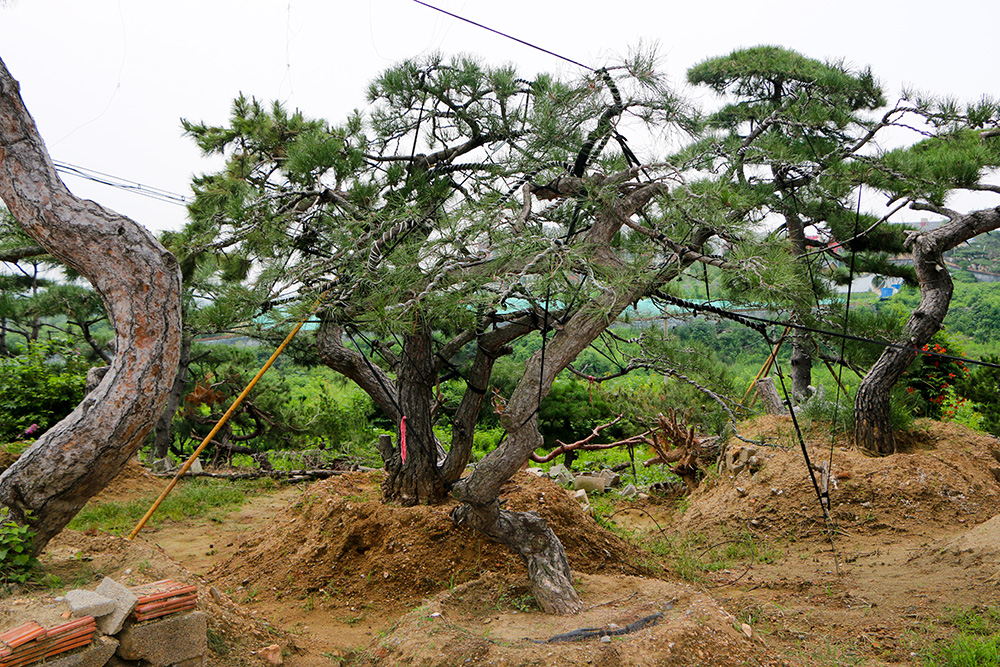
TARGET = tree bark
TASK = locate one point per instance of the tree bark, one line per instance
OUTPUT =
(769, 397)
(872, 431)
(162, 433)
(416, 478)
(551, 582)
(372, 379)
(139, 282)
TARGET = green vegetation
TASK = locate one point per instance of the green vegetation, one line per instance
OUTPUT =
(976, 643)
(39, 387)
(17, 564)
(693, 555)
(191, 499)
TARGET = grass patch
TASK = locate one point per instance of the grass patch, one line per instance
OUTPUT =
(977, 643)
(693, 555)
(192, 499)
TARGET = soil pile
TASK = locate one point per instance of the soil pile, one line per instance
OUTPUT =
(455, 628)
(133, 480)
(941, 476)
(341, 541)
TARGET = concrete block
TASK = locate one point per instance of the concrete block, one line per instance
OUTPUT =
(89, 603)
(196, 467)
(165, 641)
(589, 483)
(125, 601)
(96, 655)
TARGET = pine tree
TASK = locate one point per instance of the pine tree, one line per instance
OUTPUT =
(465, 209)
(783, 147)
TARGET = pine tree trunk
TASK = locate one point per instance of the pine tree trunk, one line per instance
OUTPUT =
(872, 430)
(872, 426)
(415, 477)
(140, 284)
(801, 363)
(529, 537)
(163, 436)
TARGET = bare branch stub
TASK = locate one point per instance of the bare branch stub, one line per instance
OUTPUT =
(676, 444)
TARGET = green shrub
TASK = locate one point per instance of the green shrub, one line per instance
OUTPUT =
(16, 562)
(39, 388)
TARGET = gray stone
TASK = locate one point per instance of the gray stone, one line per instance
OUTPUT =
(561, 474)
(125, 601)
(196, 467)
(611, 478)
(536, 472)
(89, 603)
(162, 465)
(589, 483)
(96, 655)
(630, 491)
(165, 641)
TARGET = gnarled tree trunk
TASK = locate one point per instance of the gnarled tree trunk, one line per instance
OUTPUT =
(139, 282)
(872, 430)
(526, 533)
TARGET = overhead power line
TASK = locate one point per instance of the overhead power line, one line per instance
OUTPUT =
(503, 34)
(126, 184)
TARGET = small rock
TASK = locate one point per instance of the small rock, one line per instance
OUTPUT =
(214, 592)
(125, 601)
(272, 654)
(163, 465)
(196, 467)
(536, 472)
(580, 496)
(642, 496)
(741, 492)
(605, 639)
(611, 478)
(435, 614)
(630, 491)
(614, 626)
(747, 630)
(561, 474)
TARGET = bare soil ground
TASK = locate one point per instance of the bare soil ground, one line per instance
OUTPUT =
(335, 577)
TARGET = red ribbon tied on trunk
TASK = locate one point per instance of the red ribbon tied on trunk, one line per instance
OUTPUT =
(402, 438)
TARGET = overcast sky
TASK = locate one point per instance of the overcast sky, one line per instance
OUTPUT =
(108, 80)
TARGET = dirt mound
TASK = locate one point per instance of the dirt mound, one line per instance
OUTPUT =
(940, 477)
(977, 546)
(134, 480)
(455, 628)
(340, 541)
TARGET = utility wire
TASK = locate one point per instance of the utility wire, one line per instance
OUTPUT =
(751, 320)
(121, 183)
(503, 34)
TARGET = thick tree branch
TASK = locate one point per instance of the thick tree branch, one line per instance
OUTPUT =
(139, 282)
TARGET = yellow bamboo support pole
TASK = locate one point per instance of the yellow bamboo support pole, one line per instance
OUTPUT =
(219, 425)
(767, 365)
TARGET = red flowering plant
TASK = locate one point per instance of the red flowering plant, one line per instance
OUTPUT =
(932, 377)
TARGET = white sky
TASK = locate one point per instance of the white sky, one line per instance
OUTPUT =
(108, 80)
